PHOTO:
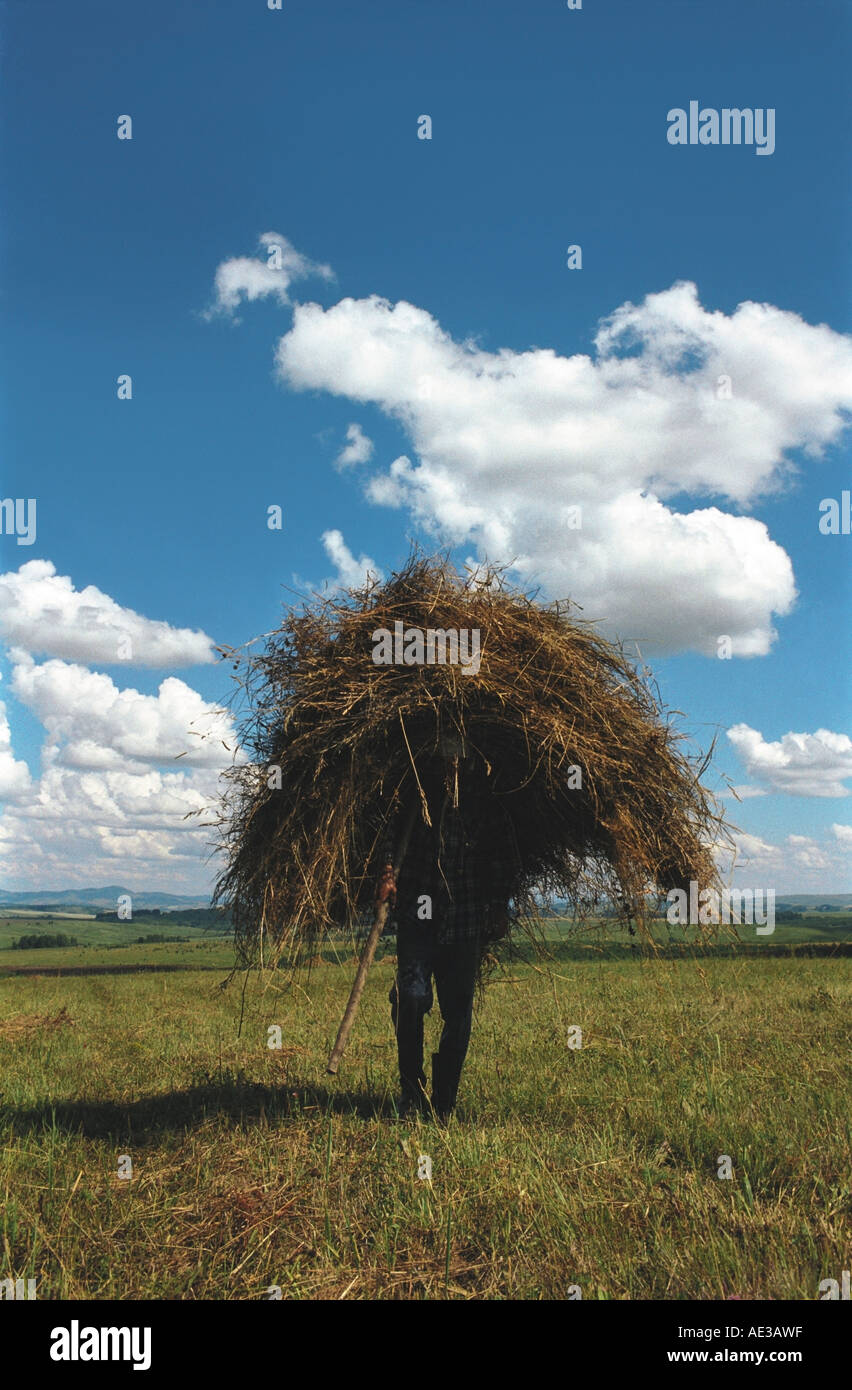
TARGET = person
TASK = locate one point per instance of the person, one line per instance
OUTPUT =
(451, 901)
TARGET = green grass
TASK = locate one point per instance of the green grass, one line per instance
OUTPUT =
(593, 1167)
(814, 927)
(89, 932)
(562, 939)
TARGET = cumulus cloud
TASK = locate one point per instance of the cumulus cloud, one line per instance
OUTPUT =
(14, 774)
(799, 864)
(93, 724)
(815, 764)
(42, 613)
(843, 833)
(120, 773)
(247, 277)
(75, 828)
(744, 792)
(351, 573)
(120, 770)
(511, 448)
(358, 448)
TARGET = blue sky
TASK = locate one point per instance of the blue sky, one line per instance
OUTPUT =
(549, 129)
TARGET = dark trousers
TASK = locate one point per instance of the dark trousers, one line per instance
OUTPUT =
(454, 967)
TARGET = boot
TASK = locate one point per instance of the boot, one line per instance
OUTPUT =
(413, 1100)
(446, 1074)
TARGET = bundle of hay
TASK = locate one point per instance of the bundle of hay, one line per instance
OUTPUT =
(602, 801)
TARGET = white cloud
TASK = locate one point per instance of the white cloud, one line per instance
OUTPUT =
(351, 573)
(245, 277)
(93, 724)
(42, 613)
(799, 764)
(120, 770)
(101, 807)
(358, 448)
(506, 442)
(799, 864)
(744, 792)
(14, 775)
(79, 828)
(843, 833)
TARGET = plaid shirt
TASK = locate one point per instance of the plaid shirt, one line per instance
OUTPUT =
(457, 862)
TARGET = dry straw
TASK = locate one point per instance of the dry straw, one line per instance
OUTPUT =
(338, 743)
(23, 1025)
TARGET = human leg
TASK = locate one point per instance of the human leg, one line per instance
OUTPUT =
(455, 968)
(411, 999)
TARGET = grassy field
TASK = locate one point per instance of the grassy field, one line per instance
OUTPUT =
(599, 936)
(89, 932)
(591, 1168)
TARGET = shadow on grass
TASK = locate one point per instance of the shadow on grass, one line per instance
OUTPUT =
(231, 1099)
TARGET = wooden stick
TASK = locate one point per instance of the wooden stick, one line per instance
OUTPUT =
(367, 955)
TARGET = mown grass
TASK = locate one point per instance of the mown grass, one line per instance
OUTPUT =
(593, 1168)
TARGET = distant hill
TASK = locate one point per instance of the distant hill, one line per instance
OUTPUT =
(106, 900)
(99, 899)
(796, 902)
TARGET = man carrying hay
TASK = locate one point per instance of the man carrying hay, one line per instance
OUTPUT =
(566, 781)
(451, 902)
